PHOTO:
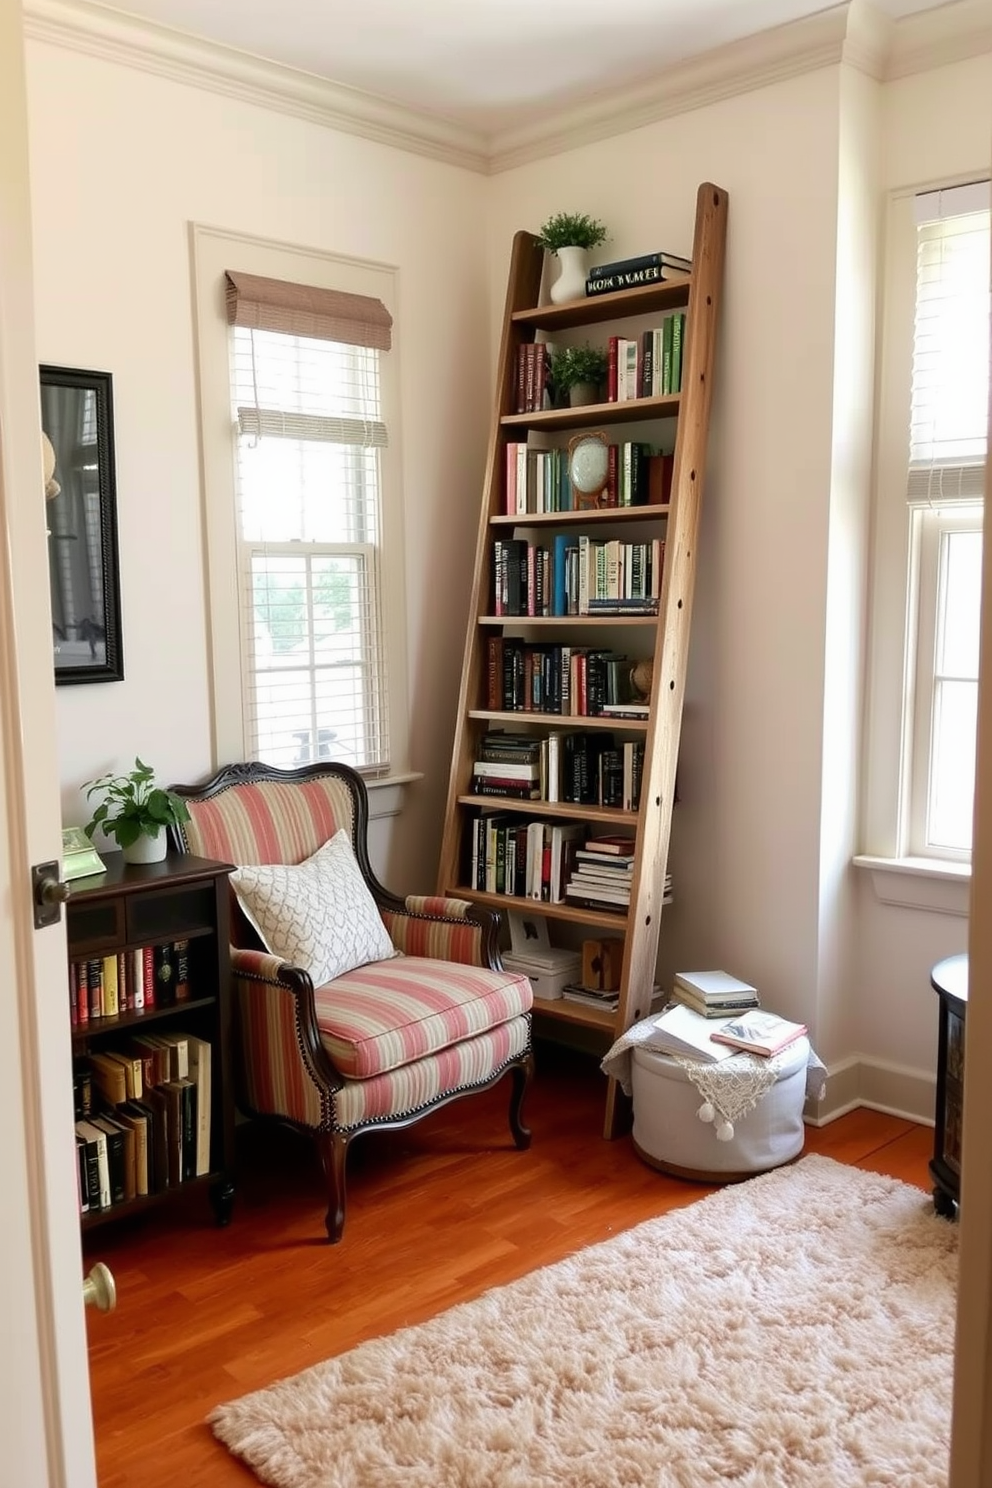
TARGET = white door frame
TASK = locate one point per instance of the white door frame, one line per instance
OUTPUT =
(45, 1419)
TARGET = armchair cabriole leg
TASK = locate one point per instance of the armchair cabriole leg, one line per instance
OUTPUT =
(521, 1079)
(333, 1147)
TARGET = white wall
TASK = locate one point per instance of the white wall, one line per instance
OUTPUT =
(120, 165)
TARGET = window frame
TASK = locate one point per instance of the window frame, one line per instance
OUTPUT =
(892, 766)
(213, 252)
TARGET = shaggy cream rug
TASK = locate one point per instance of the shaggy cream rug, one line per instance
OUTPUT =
(793, 1330)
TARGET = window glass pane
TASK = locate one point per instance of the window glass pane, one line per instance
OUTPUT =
(303, 491)
(949, 419)
(960, 604)
(952, 766)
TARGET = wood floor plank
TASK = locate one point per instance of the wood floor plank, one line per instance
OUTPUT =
(436, 1215)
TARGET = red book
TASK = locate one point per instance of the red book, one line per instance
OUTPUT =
(611, 369)
(148, 964)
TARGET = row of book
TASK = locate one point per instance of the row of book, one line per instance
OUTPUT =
(576, 576)
(142, 1118)
(630, 273)
(582, 769)
(646, 366)
(128, 981)
(580, 681)
(535, 860)
(537, 479)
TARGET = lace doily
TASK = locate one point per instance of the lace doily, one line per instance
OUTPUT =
(731, 1088)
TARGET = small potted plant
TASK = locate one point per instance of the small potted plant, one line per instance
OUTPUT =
(569, 236)
(135, 812)
(578, 372)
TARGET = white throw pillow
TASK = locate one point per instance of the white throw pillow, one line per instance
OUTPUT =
(319, 914)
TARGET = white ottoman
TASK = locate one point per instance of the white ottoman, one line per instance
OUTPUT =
(669, 1135)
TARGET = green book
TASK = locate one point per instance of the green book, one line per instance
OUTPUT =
(678, 330)
(666, 355)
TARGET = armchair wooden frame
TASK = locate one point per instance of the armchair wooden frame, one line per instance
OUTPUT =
(295, 1081)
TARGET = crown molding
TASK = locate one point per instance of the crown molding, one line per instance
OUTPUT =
(852, 33)
(99, 31)
(738, 67)
(936, 38)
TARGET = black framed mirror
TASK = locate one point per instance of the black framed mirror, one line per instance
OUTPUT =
(77, 420)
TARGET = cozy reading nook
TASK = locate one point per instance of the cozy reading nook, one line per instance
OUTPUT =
(814, 128)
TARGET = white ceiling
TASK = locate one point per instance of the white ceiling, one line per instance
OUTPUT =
(485, 64)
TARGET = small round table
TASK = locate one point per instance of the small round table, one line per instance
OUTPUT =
(949, 979)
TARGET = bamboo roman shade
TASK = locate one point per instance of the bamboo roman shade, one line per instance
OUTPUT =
(302, 310)
(950, 400)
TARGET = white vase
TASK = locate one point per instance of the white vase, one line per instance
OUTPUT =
(573, 271)
(147, 849)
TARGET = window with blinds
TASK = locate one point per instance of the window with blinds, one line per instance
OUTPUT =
(946, 481)
(308, 427)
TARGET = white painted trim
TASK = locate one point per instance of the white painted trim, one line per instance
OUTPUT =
(859, 1081)
(853, 33)
(115, 37)
(919, 883)
(936, 38)
(738, 67)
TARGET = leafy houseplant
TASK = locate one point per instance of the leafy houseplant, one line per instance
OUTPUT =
(572, 230)
(576, 366)
(133, 808)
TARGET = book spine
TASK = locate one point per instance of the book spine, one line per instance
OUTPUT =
(181, 959)
(148, 973)
(137, 974)
(630, 279)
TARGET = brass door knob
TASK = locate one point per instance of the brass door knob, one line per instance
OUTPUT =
(100, 1289)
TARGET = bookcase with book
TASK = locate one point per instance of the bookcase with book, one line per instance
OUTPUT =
(149, 1003)
(563, 771)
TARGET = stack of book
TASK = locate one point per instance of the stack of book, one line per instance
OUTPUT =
(509, 765)
(627, 273)
(604, 872)
(598, 998)
(714, 994)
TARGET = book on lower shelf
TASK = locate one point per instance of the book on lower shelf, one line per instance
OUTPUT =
(759, 1033)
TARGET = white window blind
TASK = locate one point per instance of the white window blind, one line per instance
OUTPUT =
(950, 401)
(308, 427)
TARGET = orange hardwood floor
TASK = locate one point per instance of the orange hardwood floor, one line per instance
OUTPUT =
(436, 1215)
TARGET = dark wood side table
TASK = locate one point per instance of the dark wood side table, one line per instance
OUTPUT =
(949, 979)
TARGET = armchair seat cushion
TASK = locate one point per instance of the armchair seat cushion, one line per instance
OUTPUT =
(388, 1014)
(414, 1087)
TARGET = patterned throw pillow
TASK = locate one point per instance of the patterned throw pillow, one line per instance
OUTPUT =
(319, 914)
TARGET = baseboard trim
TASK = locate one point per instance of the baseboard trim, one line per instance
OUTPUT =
(891, 1088)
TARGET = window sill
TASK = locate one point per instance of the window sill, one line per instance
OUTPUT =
(386, 794)
(919, 883)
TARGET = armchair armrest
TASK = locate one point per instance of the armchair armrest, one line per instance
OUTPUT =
(283, 1068)
(448, 929)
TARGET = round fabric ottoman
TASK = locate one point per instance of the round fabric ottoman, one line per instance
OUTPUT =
(669, 1135)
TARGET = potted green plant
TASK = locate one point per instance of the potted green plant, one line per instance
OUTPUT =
(578, 372)
(135, 812)
(569, 236)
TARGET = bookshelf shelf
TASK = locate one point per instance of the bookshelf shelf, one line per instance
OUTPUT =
(560, 720)
(528, 659)
(636, 411)
(582, 518)
(179, 906)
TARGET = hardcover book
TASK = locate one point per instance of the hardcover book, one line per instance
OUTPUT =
(759, 1033)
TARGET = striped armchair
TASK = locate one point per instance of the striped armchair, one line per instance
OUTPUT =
(380, 1046)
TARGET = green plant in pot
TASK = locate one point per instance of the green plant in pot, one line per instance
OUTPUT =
(135, 812)
(570, 235)
(578, 373)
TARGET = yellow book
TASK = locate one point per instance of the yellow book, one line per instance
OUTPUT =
(110, 1007)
